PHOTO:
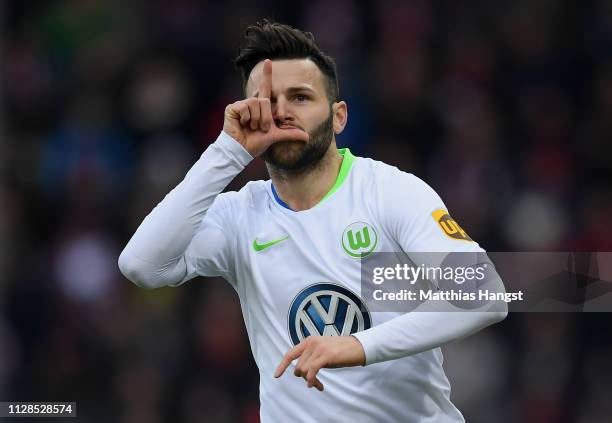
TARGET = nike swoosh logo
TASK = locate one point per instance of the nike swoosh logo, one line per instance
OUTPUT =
(259, 247)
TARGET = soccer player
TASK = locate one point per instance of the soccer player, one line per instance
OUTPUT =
(292, 247)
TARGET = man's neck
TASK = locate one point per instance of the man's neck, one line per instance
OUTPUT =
(304, 190)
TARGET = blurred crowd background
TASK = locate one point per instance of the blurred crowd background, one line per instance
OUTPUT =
(505, 108)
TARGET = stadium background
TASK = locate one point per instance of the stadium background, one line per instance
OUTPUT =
(505, 108)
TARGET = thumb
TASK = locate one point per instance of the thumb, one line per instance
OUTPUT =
(288, 134)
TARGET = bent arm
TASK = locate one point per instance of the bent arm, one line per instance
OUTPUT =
(431, 325)
(414, 221)
(155, 255)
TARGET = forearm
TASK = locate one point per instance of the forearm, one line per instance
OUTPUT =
(154, 255)
(431, 325)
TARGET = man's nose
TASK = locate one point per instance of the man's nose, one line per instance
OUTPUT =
(279, 109)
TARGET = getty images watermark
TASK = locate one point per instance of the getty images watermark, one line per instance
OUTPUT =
(458, 275)
(476, 281)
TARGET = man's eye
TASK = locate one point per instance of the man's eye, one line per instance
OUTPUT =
(300, 97)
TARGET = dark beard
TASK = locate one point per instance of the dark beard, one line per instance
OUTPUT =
(297, 156)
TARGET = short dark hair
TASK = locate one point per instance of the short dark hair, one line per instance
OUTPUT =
(272, 40)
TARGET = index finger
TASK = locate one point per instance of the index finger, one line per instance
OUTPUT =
(265, 85)
(291, 355)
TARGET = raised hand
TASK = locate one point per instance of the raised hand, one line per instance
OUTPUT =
(251, 123)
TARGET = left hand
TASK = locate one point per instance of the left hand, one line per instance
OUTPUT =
(318, 352)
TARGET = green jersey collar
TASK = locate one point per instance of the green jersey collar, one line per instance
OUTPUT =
(347, 163)
(345, 168)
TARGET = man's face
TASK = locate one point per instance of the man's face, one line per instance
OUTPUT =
(298, 99)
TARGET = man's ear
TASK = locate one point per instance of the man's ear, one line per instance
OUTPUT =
(340, 113)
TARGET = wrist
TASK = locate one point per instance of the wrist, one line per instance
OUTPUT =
(233, 147)
(361, 357)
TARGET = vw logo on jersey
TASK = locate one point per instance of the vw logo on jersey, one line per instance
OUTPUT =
(359, 240)
(326, 309)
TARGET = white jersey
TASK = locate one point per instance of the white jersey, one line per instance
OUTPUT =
(298, 274)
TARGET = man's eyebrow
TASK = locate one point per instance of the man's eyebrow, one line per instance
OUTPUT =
(300, 88)
(292, 90)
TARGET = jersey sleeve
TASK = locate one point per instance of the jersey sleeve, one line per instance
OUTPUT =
(211, 251)
(417, 219)
(184, 235)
